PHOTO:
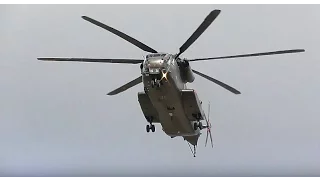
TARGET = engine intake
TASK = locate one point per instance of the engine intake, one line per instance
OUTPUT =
(185, 71)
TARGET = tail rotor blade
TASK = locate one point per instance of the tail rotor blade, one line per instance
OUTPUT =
(211, 138)
(206, 139)
(209, 111)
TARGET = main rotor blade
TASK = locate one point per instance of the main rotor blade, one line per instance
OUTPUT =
(251, 55)
(121, 34)
(126, 86)
(203, 26)
(229, 88)
(125, 61)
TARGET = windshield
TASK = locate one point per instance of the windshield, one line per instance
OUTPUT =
(155, 55)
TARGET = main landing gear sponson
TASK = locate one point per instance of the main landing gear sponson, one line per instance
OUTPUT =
(151, 126)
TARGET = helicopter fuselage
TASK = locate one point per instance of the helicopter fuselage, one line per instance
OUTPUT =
(164, 85)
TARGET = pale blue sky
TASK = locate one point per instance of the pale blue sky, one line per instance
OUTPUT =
(56, 120)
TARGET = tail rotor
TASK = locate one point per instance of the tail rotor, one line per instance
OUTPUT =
(208, 127)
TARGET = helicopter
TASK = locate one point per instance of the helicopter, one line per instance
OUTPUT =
(165, 98)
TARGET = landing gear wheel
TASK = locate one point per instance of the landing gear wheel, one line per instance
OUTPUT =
(148, 128)
(152, 84)
(195, 126)
(153, 128)
(200, 125)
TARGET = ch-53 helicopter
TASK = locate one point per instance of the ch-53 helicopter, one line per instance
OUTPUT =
(166, 98)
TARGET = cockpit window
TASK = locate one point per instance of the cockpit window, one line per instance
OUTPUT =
(155, 55)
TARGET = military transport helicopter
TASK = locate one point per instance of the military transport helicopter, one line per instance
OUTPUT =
(166, 98)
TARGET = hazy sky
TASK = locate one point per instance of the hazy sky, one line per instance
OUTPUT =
(56, 119)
